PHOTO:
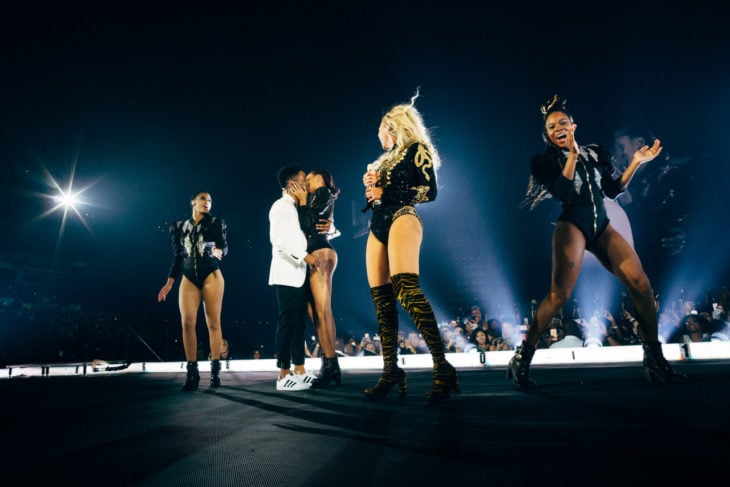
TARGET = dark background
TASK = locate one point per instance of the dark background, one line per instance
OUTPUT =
(148, 105)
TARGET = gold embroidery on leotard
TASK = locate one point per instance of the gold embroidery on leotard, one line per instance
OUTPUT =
(423, 161)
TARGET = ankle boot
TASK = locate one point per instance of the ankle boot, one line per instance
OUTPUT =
(330, 372)
(656, 367)
(408, 291)
(387, 314)
(518, 368)
(445, 382)
(215, 370)
(192, 379)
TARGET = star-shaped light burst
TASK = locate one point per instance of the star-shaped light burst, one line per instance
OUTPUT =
(68, 199)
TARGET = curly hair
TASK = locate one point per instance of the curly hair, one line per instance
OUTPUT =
(405, 123)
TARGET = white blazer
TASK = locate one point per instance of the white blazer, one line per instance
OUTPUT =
(288, 244)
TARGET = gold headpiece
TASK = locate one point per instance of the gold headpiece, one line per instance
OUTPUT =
(549, 105)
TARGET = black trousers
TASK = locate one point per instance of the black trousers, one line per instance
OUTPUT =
(292, 303)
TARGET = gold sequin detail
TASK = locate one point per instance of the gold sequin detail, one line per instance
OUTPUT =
(421, 194)
(390, 163)
(406, 210)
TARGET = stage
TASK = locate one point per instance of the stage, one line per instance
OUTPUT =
(587, 423)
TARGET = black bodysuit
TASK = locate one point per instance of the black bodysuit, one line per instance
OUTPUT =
(582, 198)
(407, 178)
(320, 205)
(192, 245)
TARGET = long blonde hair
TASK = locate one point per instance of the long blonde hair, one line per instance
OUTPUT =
(405, 123)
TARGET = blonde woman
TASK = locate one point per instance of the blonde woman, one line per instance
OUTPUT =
(402, 177)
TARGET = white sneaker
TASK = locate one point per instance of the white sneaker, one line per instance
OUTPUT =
(306, 378)
(292, 383)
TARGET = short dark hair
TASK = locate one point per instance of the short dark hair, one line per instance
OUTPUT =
(196, 194)
(286, 173)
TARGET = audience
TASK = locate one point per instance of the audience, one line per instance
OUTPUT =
(42, 330)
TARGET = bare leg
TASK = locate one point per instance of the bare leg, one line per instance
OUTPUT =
(320, 283)
(213, 288)
(189, 302)
(376, 262)
(568, 249)
(620, 258)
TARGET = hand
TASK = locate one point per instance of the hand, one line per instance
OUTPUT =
(162, 295)
(646, 153)
(298, 192)
(370, 178)
(572, 144)
(312, 261)
(323, 226)
(373, 193)
(608, 315)
(217, 253)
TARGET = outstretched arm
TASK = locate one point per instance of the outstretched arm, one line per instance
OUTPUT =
(641, 156)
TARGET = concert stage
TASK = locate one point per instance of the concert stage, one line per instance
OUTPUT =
(587, 423)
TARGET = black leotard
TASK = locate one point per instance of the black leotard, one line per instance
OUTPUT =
(582, 198)
(191, 246)
(320, 204)
(407, 178)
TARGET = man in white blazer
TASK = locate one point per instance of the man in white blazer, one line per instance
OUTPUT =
(288, 275)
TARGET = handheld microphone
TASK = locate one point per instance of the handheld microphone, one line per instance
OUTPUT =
(372, 167)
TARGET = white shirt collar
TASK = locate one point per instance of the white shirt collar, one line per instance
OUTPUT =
(285, 194)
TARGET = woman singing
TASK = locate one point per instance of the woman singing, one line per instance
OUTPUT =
(316, 203)
(579, 177)
(198, 244)
(402, 177)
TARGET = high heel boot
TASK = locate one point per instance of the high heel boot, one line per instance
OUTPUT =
(387, 313)
(445, 382)
(330, 372)
(518, 368)
(408, 291)
(192, 379)
(391, 376)
(215, 370)
(656, 367)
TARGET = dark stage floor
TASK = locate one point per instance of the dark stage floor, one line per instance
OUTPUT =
(588, 425)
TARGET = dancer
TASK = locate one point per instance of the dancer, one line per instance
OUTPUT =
(403, 176)
(316, 203)
(198, 244)
(288, 274)
(579, 177)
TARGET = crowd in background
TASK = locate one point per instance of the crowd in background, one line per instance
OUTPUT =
(682, 321)
(40, 329)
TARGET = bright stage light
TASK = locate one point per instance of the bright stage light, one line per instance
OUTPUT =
(67, 200)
